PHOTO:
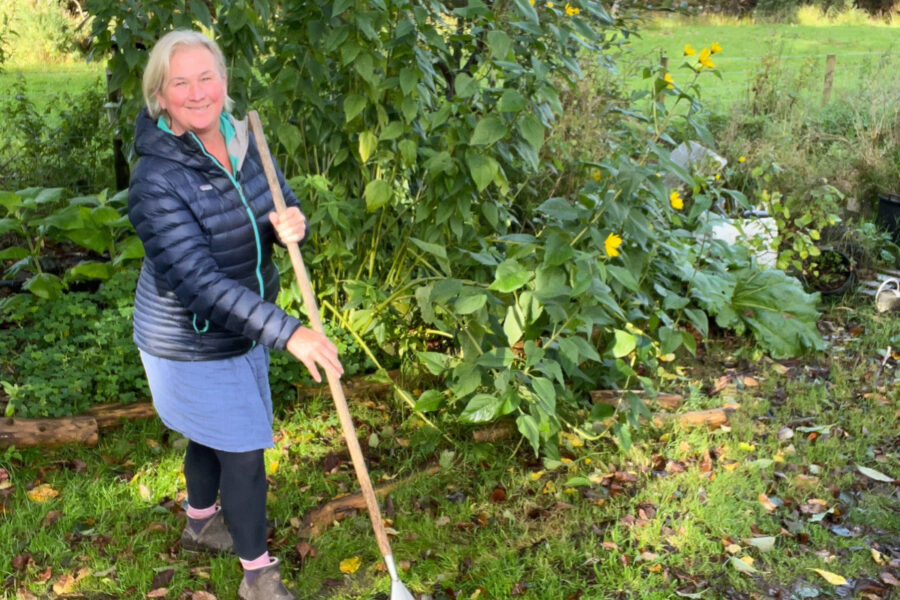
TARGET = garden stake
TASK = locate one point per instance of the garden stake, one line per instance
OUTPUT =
(398, 590)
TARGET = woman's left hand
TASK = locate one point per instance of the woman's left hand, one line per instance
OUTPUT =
(291, 226)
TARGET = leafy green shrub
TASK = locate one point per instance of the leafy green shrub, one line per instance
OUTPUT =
(68, 144)
(46, 222)
(64, 355)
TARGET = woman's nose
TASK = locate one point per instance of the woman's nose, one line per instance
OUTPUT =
(196, 91)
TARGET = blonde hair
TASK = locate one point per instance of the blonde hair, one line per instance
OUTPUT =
(157, 69)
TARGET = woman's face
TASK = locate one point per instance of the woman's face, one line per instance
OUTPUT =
(194, 92)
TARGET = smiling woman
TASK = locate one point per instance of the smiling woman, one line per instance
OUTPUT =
(205, 312)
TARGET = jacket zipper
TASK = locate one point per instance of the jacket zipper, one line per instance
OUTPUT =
(240, 191)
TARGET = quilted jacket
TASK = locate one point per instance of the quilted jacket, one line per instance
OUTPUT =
(208, 284)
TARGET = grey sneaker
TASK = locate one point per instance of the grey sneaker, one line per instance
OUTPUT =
(214, 537)
(267, 585)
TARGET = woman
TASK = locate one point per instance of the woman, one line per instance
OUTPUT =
(204, 313)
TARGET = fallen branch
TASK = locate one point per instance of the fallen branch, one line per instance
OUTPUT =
(315, 521)
(713, 417)
(48, 432)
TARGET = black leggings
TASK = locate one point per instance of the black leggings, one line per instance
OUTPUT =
(240, 479)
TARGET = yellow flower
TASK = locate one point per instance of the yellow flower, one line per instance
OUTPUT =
(718, 177)
(715, 47)
(671, 82)
(741, 159)
(705, 60)
(676, 201)
(597, 175)
(531, 2)
(571, 10)
(611, 245)
(688, 51)
(549, 5)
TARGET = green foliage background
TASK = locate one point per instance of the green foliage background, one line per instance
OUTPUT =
(454, 233)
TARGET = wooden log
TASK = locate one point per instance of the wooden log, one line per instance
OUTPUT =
(109, 415)
(616, 397)
(48, 432)
(315, 521)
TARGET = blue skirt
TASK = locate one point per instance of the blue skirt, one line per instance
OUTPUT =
(223, 404)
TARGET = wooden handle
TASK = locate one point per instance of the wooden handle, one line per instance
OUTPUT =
(334, 383)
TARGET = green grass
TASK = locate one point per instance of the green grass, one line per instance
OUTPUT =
(43, 83)
(665, 516)
(859, 50)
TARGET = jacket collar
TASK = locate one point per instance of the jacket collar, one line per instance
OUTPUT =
(151, 140)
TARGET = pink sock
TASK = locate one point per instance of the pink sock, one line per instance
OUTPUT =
(257, 563)
(201, 513)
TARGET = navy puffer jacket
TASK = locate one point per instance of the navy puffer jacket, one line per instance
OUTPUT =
(208, 284)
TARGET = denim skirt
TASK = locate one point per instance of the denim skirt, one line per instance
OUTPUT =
(223, 404)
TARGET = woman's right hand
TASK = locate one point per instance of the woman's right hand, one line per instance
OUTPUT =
(313, 348)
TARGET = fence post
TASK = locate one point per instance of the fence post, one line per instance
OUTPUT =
(829, 78)
(664, 63)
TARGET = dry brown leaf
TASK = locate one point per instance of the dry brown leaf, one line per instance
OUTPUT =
(767, 504)
(889, 578)
(158, 593)
(202, 595)
(64, 584)
(42, 493)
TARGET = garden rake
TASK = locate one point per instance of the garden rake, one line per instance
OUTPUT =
(398, 590)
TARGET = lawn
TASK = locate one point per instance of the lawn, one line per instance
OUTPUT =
(799, 486)
(861, 52)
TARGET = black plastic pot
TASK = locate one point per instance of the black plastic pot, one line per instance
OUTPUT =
(837, 274)
(888, 217)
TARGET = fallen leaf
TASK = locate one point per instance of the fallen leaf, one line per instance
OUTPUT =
(42, 493)
(21, 562)
(162, 578)
(145, 494)
(832, 578)
(732, 548)
(876, 556)
(158, 593)
(741, 565)
(64, 585)
(763, 544)
(889, 578)
(873, 474)
(304, 549)
(50, 518)
(767, 504)
(202, 595)
(498, 495)
(350, 565)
